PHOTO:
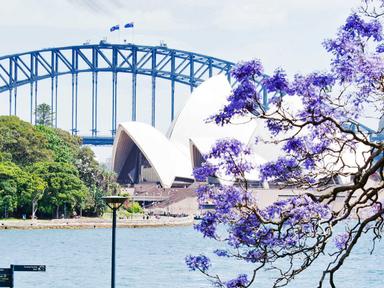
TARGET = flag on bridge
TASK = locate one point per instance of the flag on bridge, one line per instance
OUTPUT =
(129, 25)
(113, 28)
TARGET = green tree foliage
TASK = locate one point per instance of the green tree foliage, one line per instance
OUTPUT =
(64, 187)
(29, 198)
(134, 208)
(10, 175)
(106, 180)
(64, 146)
(22, 142)
(95, 205)
(44, 115)
(89, 171)
(87, 166)
(99, 180)
(46, 171)
(4, 156)
(19, 190)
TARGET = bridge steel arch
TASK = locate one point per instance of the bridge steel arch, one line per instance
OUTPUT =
(177, 66)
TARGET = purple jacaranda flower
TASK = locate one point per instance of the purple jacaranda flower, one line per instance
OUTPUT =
(243, 100)
(247, 70)
(356, 25)
(239, 282)
(208, 224)
(282, 169)
(199, 262)
(294, 145)
(322, 80)
(341, 240)
(277, 82)
(276, 126)
(380, 48)
(206, 170)
(310, 136)
(254, 256)
(226, 156)
(309, 163)
(204, 192)
(221, 253)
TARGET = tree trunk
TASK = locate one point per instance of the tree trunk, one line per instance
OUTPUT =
(34, 209)
(57, 211)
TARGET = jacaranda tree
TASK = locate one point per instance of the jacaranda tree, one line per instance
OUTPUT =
(318, 138)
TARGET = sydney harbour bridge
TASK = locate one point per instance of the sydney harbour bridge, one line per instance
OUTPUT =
(28, 69)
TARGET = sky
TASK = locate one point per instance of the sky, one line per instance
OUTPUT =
(281, 33)
(286, 33)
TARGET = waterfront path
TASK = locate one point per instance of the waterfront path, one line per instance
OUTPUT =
(92, 223)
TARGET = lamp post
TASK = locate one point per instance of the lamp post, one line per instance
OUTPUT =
(114, 202)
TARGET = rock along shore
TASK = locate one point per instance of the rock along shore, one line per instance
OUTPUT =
(93, 223)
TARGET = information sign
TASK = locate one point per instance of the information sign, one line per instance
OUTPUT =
(29, 268)
(6, 274)
(6, 277)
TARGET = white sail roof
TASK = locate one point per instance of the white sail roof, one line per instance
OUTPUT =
(165, 158)
(170, 155)
(205, 101)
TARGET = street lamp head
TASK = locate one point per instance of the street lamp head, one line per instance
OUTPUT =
(114, 201)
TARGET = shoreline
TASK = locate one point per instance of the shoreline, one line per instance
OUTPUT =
(94, 223)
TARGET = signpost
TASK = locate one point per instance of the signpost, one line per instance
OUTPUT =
(6, 277)
(29, 268)
(6, 274)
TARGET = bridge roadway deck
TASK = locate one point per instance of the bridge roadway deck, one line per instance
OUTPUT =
(97, 140)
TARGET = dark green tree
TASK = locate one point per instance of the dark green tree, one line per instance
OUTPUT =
(19, 191)
(64, 187)
(100, 181)
(87, 166)
(65, 147)
(44, 115)
(8, 187)
(63, 173)
(21, 143)
(30, 196)
(134, 208)
(106, 180)
(4, 156)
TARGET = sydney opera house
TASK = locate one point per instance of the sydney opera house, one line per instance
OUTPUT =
(142, 154)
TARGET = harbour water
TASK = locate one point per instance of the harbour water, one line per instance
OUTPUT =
(148, 258)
